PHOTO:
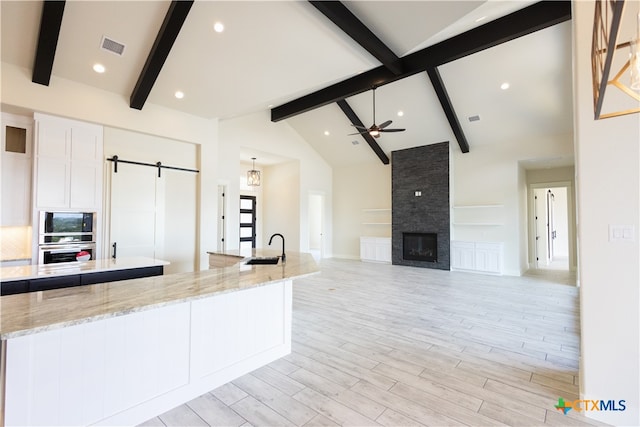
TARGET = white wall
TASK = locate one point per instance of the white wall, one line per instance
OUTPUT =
(282, 205)
(491, 174)
(315, 221)
(77, 101)
(607, 157)
(358, 187)
(257, 132)
(523, 232)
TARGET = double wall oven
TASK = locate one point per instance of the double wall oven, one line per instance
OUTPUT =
(62, 235)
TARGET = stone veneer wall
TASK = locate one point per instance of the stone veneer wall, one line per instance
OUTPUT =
(424, 169)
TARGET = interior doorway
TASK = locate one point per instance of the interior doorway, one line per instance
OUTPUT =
(316, 225)
(551, 231)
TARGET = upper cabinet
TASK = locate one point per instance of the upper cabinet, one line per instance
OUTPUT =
(17, 144)
(68, 164)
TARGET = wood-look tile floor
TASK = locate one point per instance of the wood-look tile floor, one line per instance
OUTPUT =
(375, 344)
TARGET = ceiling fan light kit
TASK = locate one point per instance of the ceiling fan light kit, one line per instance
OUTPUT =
(375, 130)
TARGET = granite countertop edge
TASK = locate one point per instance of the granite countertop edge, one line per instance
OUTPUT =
(219, 284)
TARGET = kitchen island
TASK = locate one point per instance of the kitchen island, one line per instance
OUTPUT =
(124, 352)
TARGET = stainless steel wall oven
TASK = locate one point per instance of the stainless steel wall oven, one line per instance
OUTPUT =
(62, 235)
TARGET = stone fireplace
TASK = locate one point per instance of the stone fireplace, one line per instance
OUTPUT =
(420, 229)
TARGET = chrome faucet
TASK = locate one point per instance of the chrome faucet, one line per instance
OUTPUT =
(283, 256)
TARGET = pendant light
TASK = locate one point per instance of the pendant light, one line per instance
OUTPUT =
(253, 176)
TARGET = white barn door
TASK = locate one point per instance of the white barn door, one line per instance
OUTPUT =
(137, 212)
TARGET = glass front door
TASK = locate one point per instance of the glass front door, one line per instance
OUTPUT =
(247, 222)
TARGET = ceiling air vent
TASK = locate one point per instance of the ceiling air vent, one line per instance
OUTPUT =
(112, 46)
(475, 118)
(354, 142)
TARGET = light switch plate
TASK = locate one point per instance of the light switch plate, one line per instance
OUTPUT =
(625, 233)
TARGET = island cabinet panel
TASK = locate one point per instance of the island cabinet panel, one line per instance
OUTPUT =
(15, 287)
(46, 283)
(82, 374)
(147, 355)
(117, 275)
(258, 317)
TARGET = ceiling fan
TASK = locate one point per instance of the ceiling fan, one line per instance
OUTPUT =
(375, 130)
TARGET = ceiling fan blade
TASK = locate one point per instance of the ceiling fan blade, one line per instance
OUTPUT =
(392, 130)
(360, 127)
(384, 125)
(358, 133)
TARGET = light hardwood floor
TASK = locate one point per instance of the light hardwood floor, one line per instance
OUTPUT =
(375, 344)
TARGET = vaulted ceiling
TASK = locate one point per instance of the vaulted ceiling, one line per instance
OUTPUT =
(272, 53)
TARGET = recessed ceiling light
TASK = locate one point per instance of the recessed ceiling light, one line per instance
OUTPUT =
(400, 113)
(504, 86)
(218, 27)
(326, 133)
(482, 18)
(179, 94)
(98, 68)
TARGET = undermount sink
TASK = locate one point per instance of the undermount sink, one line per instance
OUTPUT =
(263, 260)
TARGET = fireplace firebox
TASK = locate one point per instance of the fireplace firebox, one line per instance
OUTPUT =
(420, 247)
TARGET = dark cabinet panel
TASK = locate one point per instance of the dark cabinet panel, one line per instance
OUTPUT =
(46, 283)
(114, 276)
(16, 287)
(137, 273)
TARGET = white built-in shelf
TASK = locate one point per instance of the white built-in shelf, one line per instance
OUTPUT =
(477, 206)
(377, 217)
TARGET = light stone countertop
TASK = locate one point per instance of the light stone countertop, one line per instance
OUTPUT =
(34, 312)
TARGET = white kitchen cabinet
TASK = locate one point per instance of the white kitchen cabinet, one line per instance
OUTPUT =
(482, 257)
(16, 164)
(376, 249)
(68, 166)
